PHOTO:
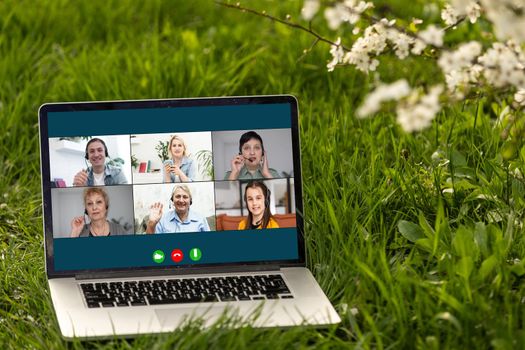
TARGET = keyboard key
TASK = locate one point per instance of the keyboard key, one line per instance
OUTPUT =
(228, 298)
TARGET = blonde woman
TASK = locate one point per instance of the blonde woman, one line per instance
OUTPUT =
(179, 168)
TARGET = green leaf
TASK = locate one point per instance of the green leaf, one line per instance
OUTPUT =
(425, 226)
(331, 214)
(410, 231)
(425, 244)
(481, 238)
(509, 151)
(487, 266)
(518, 269)
(465, 267)
(457, 159)
(463, 242)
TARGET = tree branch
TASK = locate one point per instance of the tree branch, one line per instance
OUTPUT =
(285, 22)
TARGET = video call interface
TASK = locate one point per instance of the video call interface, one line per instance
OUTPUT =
(173, 198)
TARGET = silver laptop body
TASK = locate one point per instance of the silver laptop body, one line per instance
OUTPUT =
(129, 254)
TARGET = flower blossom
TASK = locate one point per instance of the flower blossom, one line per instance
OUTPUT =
(371, 44)
(383, 93)
(417, 112)
(337, 55)
(401, 42)
(508, 18)
(519, 97)
(310, 8)
(504, 65)
(473, 11)
(449, 15)
(432, 35)
(459, 67)
(349, 11)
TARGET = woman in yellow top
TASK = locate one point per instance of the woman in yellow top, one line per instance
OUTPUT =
(257, 199)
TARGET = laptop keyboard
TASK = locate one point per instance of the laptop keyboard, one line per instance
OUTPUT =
(191, 290)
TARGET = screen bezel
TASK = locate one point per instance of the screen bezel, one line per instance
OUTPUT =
(167, 103)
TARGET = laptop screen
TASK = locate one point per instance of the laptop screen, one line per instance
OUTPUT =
(171, 184)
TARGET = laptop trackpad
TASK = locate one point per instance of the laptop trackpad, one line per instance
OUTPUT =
(177, 317)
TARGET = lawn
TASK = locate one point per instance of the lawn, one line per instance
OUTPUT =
(417, 239)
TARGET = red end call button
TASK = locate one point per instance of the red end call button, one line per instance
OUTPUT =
(176, 255)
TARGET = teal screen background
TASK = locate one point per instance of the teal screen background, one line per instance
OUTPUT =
(217, 247)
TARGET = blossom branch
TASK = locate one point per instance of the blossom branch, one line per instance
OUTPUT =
(467, 68)
(285, 22)
(369, 18)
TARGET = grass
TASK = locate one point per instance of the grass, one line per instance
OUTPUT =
(423, 267)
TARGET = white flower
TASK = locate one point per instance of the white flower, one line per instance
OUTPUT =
(401, 42)
(418, 112)
(350, 11)
(473, 11)
(503, 66)
(310, 8)
(337, 55)
(419, 46)
(360, 7)
(372, 43)
(432, 35)
(519, 97)
(459, 68)
(508, 18)
(449, 15)
(334, 16)
(465, 55)
(384, 92)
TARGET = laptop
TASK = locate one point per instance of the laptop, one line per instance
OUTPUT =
(159, 213)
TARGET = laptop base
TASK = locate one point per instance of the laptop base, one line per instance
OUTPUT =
(308, 307)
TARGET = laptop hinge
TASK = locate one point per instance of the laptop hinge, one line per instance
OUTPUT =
(177, 272)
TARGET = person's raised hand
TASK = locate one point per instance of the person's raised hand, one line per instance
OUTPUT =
(237, 163)
(266, 168)
(155, 212)
(81, 178)
(76, 226)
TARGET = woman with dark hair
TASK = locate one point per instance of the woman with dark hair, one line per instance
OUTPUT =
(252, 161)
(96, 204)
(257, 199)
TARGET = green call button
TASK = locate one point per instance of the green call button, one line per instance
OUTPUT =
(195, 254)
(158, 256)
